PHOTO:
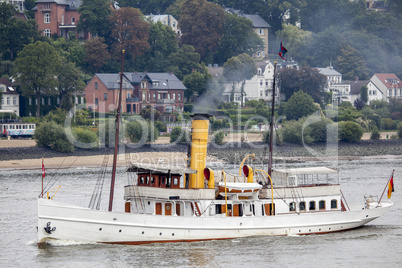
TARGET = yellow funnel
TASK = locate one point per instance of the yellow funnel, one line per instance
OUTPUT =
(198, 149)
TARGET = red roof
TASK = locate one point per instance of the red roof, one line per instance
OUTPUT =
(390, 80)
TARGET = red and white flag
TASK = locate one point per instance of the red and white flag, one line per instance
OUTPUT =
(43, 169)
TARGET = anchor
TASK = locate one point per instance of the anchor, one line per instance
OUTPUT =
(49, 229)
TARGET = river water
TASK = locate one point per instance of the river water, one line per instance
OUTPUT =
(378, 244)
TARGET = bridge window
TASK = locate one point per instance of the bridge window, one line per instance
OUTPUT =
(292, 206)
(334, 204)
(312, 205)
(321, 205)
(302, 206)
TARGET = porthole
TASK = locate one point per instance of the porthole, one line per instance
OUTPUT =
(149, 203)
(160, 233)
(143, 232)
(119, 231)
(172, 234)
(100, 229)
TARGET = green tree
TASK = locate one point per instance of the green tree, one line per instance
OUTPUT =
(149, 113)
(351, 65)
(350, 131)
(96, 53)
(129, 31)
(94, 15)
(238, 37)
(195, 83)
(14, 33)
(179, 135)
(305, 79)
(239, 68)
(299, 105)
(53, 136)
(68, 82)
(295, 39)
(364, 93)
(36, 67)
(148, 6)
(162, 43)
(184, 61)
(141, 131)
(201, 24)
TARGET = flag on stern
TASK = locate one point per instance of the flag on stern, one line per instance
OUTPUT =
(390, 187)
(282, 52)
(43, 169)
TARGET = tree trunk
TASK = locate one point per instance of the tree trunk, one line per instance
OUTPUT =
(39, 103)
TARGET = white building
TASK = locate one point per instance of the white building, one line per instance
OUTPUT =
(167, 20)
(384, 86)
(10, 97)
(20, 4)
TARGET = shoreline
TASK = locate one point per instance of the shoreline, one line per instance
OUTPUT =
(17, 158)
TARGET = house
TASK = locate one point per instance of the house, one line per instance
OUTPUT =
(10, 97)
(348, 90)
(384, 86)
(260, 27)
(256, 88)
(20, 4)
(58, 17)
(167, 20)
(163, 91)
(340, 91)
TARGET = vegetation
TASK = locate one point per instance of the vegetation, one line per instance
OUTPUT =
(350, 131)
(179, 135)
(218, 137)
(53, 136)
(299, 105)
(141, 132)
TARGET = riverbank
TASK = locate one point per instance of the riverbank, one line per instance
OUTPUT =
(232, 152)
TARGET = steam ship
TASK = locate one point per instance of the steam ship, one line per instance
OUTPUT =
(182, 204)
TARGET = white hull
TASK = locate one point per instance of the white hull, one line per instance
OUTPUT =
(86, 225)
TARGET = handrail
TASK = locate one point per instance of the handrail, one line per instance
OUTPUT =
(55, 189)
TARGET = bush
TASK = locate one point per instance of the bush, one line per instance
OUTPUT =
(53, 136)
(293, 132)
(350, 131)
(179, 135)
(86, 136)
(160, 126)
(375, 134)
(141, 131)
(319, 130)
(388, 123)
(277, 138)
(399, 130)
(217, 138)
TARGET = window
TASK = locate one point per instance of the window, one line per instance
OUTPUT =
(174, 96)
(46, 32)
(261, 93)
(144, 96)
(8, 101)
(154, 96)
(14, 100)
(261, 82)
(159, 96)
(179, 96)
(96, 85)
(96, 101)
(260, 31)
(175, 181)
(311, 205)
(49, 101)
(43, 101)
(46, 6)
(302, 206)
(334, 204)
(62, 19)
(46, 18)
(292, 206)
(105, 96)
(127, 94)
(72, 20)
(321, 205)
(143, 85)
(30, 101)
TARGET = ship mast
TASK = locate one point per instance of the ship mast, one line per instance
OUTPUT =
(116, 142)
(271, 127)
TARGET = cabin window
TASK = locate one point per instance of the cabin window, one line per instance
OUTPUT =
(142, 180)
(334, 203)
(321, 205)
(152, 180)
(218, 209)
(292, 206)
(147, 180)
(312, 205)
(302, 206)
(175, 181)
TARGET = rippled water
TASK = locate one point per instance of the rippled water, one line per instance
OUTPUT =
(377, 244)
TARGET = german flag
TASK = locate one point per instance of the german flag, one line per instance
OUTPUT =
(390, 187)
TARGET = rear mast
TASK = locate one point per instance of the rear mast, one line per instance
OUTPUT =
(116, 142)
(271, 127)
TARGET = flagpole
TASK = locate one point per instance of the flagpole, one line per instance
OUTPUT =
(42, 176)
(386, 185)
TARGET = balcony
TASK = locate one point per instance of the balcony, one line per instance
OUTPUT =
(165, 101)
(132, 100)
